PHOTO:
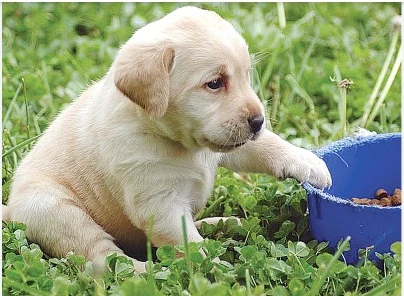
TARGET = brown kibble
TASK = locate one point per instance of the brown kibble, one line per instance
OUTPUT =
(361, 201)
(382, 199)
(397, 192)
(385, 202)
(396, 200)
(355, 200)
(375, 202)
(381, 193)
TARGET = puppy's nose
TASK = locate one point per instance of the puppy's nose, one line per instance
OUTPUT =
(255, 123)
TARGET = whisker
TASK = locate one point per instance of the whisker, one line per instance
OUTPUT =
(237, 138)
(230, 136)
(260, 56)
(219, 136)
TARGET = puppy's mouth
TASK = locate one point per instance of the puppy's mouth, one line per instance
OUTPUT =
(223, 148)
(227, 147)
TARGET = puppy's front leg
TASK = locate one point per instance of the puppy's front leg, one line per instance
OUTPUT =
(272, 155)
(165, 213)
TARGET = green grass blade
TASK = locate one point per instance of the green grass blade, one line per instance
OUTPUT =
(266, 75)
(17, 155)
(10, 107)
(149, 263)
(281, 15)
(382, 75)
(248, 281)
(343, 114)
(297, 88)
(387, 87)
(388, 286)
(207, 212)
(276, 100)
(186, 246)
(19, 146)
(315, 289)
(307, 55)
(26, 108)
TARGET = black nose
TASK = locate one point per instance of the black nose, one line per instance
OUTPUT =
(255, 123)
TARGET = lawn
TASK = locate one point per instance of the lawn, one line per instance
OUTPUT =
(52, 51)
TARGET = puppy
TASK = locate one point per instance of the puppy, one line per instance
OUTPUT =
(145, 142)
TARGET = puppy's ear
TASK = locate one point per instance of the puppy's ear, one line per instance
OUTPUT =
(142, 74)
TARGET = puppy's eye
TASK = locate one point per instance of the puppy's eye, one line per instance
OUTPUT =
(215, 84)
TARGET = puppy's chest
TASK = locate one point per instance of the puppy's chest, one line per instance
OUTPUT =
(188, 179)
(192, 178)
(197, 185)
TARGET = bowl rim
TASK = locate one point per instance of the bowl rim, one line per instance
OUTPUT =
(336, 146)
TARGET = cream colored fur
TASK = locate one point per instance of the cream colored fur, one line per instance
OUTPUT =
(145, 142)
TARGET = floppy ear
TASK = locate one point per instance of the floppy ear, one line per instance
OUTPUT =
(142, 74)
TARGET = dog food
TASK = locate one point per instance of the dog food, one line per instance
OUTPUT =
(382, 199)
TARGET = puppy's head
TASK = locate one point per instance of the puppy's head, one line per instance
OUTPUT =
(189, 71)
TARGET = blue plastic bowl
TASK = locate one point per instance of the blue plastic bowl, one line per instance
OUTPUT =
(358, 166)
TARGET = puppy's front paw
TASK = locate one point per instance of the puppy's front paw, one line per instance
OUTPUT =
(305, 166)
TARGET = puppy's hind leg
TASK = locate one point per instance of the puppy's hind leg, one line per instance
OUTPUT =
(59, 225)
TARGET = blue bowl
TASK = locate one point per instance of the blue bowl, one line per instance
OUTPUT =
(358, 166)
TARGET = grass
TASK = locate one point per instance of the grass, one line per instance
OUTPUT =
(52, 51)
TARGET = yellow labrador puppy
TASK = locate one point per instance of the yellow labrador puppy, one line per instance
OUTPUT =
(145, 142)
